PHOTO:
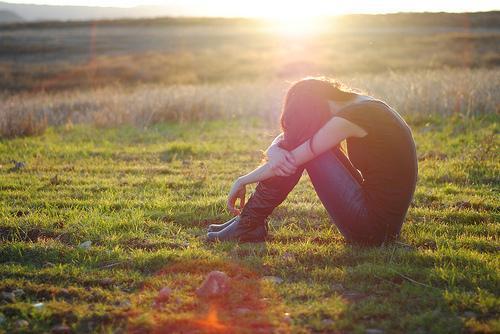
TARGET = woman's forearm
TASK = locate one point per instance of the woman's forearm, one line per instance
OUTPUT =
(329, 136)
(261, 173)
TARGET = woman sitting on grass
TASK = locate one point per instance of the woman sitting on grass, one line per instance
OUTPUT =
(367, 193)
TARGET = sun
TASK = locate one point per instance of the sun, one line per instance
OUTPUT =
(295, 26)
(295, 19)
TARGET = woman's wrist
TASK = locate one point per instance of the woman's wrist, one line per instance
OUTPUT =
(273, 149)
(241, 181)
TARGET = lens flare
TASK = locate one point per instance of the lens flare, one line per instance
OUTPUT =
(211, 322)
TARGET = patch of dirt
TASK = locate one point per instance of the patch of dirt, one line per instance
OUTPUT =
(139, 243)
(466, 205)
(433, 155)
(8, 233)
(353, 296)
(427, 244)
(21, 213)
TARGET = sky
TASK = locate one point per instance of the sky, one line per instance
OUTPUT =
(289, 8)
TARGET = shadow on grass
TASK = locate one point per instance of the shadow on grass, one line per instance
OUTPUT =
(419, 287)
(400, 288)
(249, 306)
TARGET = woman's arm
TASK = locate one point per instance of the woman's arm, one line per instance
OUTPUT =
(329, 136)
(238, 190)
(278, 164)
(258, 174)
(281, 161)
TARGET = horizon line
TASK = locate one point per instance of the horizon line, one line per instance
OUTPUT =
(159, 6)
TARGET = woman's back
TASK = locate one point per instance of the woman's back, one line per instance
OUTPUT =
(386, 157)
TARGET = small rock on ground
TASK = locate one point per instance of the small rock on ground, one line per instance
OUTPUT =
(18, 292)
(125, 304)
(38, 306)
(60, 329)
(374, 331)
(21, 324)
(266, 301)
(106, 281)
(8, 297)
(353, 296)
(85, 245)
(215, 284)
(64, 293)
(469, 314)
(327, 322)
(288, 257)
(17, 166)
(242, 311)
(273, 279)
(337, 287)
(163, 295)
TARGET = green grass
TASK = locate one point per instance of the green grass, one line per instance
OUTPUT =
(145, 197)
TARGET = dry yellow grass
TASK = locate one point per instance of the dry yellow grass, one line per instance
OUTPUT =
(415, 94)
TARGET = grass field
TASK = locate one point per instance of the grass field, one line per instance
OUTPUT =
(119, 141)
(145, 197)
(51, 56)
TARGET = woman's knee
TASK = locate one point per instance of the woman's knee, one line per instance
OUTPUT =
(332, 159)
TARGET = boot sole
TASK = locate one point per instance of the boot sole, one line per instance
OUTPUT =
(239, 240)
(220, 227)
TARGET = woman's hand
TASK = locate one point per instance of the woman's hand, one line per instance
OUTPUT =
(238, 190)
(281, 161)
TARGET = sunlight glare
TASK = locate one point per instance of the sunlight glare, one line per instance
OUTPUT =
(295, 19)
(295, 26)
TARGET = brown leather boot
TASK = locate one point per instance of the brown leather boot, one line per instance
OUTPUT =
(240, 230)
(220, 227)
(251, 225)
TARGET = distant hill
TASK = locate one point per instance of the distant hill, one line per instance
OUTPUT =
(7, 16)
(76, 13)
(427, 20)
(193, 9)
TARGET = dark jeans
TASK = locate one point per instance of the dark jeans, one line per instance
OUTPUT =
(338, 185)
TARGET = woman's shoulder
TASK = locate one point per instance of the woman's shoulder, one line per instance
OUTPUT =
(364, 106)
(370, 101)
(373, 115)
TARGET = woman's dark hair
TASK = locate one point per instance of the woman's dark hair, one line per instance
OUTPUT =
(306, 109)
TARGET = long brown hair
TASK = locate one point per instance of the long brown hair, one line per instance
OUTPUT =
(306, 108)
